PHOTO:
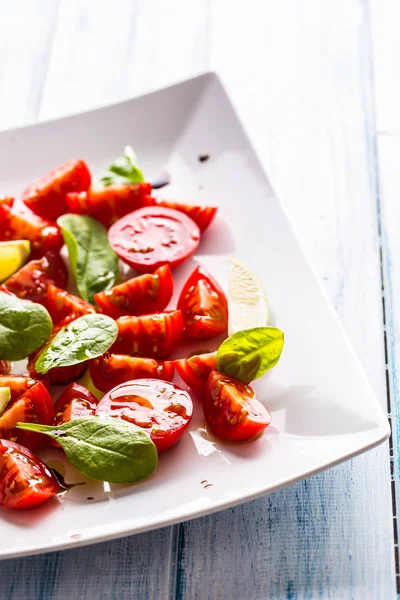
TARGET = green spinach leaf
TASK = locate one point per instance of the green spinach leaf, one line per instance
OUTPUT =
(93, 261)
(24, 327)
(248, 354)
(103, 448)
(87, 337)
(124, 171)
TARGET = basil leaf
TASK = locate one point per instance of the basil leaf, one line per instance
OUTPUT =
(24, 327)
(87, 337)
(103, 448)
(248, 354)
(124, 170)
(93, 261)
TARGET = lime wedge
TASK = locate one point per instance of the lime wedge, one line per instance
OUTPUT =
(247, 302)
(13, 255)
(5, 397)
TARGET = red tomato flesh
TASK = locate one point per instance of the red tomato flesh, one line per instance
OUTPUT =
(46, 196)
(5, 367)
(65, 307)
(232, 410)
(109, 204)
(196, 370)
(147, 293)
(75, 401)
(161, 408)
(204, 306)
(154, 236)
(25, 481)
(110, 370)
(201, 215)
(32, 280)
(154, 336)
(34, 406)
(22, 224)
(18, 384)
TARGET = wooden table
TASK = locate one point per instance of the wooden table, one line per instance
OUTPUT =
(317, 85)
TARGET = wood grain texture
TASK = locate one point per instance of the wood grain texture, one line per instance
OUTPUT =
(306, 99)
(299, 74)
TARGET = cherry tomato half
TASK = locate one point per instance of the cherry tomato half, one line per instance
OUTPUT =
(46, 196)
(109, 204)
(154, 236)
(25, 481)
(149, 335)
(75, 401)
(201, 215)
(232, 410)
(161, 408)
(34, 406)
(65, 307)
(204, 306)
(147, 293)
(196, 370)
(32, 280)
(22, 224)
(110, 370)
(18, 384)
(5, 367)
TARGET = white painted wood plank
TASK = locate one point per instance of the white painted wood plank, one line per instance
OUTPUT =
(300, 75)
(26, 35)
(385, 19)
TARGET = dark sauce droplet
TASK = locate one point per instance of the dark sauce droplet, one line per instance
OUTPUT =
(90, 498)
(203, 157)
(64, 486)
(161, 180)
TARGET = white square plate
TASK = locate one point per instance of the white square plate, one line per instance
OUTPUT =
(322, 405)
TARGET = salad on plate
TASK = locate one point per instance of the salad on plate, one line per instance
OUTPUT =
(103, 317)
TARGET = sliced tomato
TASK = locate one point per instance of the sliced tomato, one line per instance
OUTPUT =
(34, 406)
(154, 236)
(110, 370)
(22, 224)
(161, 408)
(154, 335)
(196, 370)
(109, 204)
(204, 306)
(65, 307)
(5, 368)
(25, 481)
(18, 384)
(147, 293)
(32, 280)
(56, 375)
(75, 401)
(232, 410)
(46, 196)
(201, 215)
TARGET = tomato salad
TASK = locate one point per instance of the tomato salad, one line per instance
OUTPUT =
(122, 332)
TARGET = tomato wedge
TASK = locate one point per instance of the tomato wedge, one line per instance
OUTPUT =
(65, 307)
(56, 375)
(147, 293)
(161, 408)
(154, 236)
(46, 196)
(201, 215)
(25, 481)
(34, 406)
(232, 410)
(154, 336)
(75, 401)
(109, 204)
(196, 370)
(204, 306)
(23, 224)
(110, 370)
(32, 280)
(5, 367)
(18, 384)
